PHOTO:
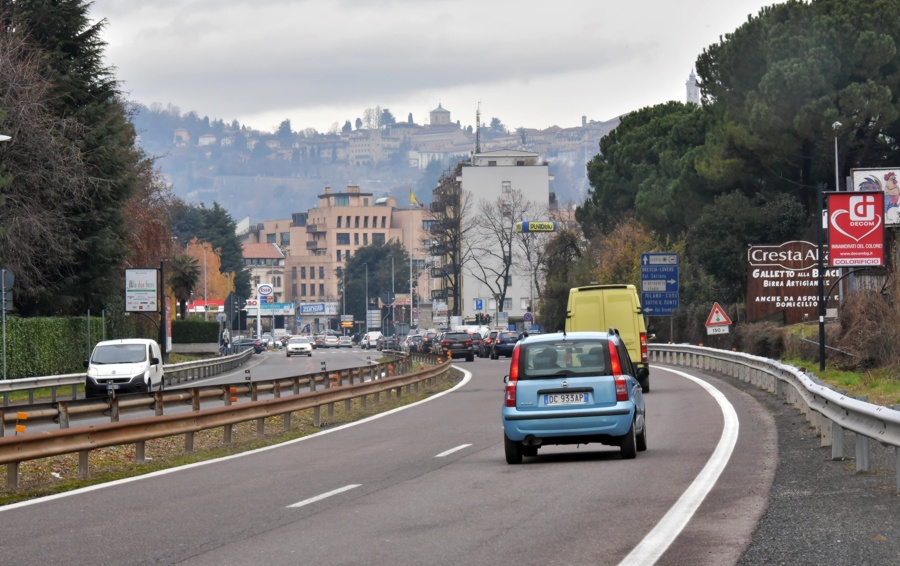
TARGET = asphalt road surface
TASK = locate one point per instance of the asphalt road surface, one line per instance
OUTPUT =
(428, 484)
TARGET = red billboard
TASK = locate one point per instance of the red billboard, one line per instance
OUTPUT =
(855, 229)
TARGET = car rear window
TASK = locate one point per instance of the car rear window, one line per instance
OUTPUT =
(572, 359)
(456, 336)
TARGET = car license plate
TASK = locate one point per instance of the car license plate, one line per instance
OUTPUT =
(567, 399)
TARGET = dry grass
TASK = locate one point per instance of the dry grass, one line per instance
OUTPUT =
(58, 474)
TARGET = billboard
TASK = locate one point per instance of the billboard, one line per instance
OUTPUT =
(141, 290)
(883, 180)
(856, 229)
(784, 280)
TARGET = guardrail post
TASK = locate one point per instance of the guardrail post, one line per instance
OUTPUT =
(139, 452)
(261, 427)
(2, 424)
(158, 403)
(254, 391)
(287, 421)
(328, 385)
(114, 409)
(63, 409)
(837, 441)
(195, 399)
(862, 447)
(276, 392)
(189, 442)
(83, 467)
(825, 432)
(12, 475)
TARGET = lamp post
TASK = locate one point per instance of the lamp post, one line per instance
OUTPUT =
(3, 281)
(366, 265)
(837, 175)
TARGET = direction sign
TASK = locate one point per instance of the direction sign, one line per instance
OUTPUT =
(659, 283)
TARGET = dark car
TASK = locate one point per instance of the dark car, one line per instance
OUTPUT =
(414, 342)
(477, 340)
(388, 343)
(486, 344)
(457, 345)
(504, 344)
(241, 344)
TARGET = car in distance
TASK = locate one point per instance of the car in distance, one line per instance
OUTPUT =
(241, 344)
(331, 341)
(345, 342)
(370, 340)
(457, 345)
(572, 388)
(485, 350)
(503, 344)
(298, 346)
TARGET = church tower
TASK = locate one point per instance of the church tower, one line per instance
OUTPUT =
(693, 91)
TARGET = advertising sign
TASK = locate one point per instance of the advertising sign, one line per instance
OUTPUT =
(856, 229)
(784, 280)
(883, 181)
(535, 226)
(141, 290)
(264, 290)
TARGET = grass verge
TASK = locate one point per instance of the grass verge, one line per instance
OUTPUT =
(47, 476)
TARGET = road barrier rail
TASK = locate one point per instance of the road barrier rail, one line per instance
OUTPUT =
(830, 412)
(338, 386)
(172, 373)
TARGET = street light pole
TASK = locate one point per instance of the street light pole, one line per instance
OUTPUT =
(367, 296)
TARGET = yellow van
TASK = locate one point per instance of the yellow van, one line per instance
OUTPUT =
(601, 307)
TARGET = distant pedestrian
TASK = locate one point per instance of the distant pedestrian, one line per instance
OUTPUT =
(226, 341)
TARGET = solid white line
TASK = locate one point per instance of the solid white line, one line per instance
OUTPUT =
(467, 376)
(670, 526)
(325, 495)
(452, 450)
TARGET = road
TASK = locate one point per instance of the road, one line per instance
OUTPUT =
(429, 485)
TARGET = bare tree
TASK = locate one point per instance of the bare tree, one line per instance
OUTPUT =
(449, 217)
(494, 247)
(37, 240)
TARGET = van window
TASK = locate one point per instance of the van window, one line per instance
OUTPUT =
(119, 354)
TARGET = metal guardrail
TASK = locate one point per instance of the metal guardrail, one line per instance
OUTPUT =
(173, 374)
(830, 412)
(81, 440)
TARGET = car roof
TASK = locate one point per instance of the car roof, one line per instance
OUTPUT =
(557, 336)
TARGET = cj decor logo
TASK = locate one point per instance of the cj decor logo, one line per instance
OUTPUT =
(856, 229)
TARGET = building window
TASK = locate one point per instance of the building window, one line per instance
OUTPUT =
(356, 222)
(383, 220)
(342, 200)
(321, 290)
(378, 239)
(293, 289)
(506, 186)
(339, 255)
(270, 238)
(294, 273)
(339, 221)
(365, 202)
(303, 289)
(365, 239)
(365, 221)
(509, 281)
(492, 163)
(312, 289)
(342, 238)
(507, 304)
(356, 239)
(321, 272)
(520, 163)
(285, 238)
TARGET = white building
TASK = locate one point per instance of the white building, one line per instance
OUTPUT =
(491, 175)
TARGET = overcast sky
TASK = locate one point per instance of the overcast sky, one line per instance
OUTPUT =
(317, 62)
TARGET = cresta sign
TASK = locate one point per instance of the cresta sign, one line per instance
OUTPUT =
(535, 226)
(264, 290)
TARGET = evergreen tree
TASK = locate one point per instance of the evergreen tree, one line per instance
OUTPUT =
(86, 98)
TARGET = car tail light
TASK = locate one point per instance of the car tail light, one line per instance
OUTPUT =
(644, 357)
(513, 379)
(445, 343)
(468, 342)
(616, 370)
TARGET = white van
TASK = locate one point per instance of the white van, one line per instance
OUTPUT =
(370, 340)
(131, 365)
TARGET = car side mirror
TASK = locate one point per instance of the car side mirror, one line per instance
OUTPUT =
(86, 364)
(154, 361)
(505, 379)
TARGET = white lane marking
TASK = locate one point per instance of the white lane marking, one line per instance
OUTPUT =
(324, 495)
(467, 376)
(670, 526)
(452, 450)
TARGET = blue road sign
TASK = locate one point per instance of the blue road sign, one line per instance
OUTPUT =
(479, 304)
(659, 283)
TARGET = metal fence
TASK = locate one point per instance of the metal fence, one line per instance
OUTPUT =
(830, 412)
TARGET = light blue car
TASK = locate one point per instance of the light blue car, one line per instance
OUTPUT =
(574, 388)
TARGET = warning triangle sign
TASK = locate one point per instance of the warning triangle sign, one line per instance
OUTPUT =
(717, 317)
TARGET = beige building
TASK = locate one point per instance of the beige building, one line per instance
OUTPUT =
(317, 242)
